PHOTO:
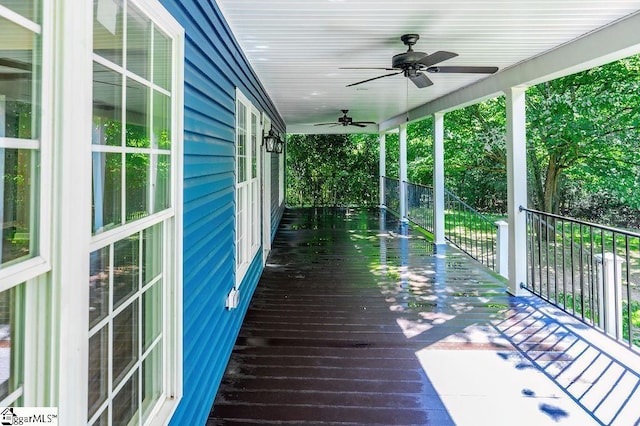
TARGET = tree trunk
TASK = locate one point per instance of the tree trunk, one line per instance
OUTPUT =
(536, 174)
(551, 186)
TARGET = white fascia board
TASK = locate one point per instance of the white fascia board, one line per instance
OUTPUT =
(618, 40)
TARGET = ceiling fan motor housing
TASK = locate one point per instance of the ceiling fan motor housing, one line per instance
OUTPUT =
(406, 60)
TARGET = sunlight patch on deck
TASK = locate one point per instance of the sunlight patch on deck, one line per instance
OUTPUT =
(486, 388)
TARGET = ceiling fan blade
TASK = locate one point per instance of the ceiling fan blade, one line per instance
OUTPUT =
(325, 124)
(365, 122)
(358, 125)
(421, 80)
(463, 69)
(374, 78)
(366, 68)
(436, 58)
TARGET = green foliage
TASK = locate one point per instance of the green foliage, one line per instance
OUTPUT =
(582, 152)
(583, 136)
(475, 155)
(332, 170)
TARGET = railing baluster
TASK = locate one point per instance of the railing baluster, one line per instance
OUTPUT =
(581, 271)
(615, 292)
(555, 259)
(629, 298)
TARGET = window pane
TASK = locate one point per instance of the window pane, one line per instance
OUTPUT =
(137, 115)
(19, 85)
(137, 186)
(125, 268)
(11, 346)
(152, 253)
(103, 420)
(98, 369)
(161, 60)
(107, 29)
(161, 121)
(138, 42)
(18, 191)
(30, 9)
(107, 106)
(151, 381)
(162, 185)
(151, 315)
(125, 403)
(98, 286)
(125, 342)
(241, 148)
(106, 191)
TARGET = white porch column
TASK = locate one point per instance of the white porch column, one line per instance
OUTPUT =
(517, 188)
(403, 173)
(383, 167)
(438, 177)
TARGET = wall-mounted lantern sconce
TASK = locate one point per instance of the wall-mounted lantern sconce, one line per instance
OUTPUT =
(269, 140)
(279, 146)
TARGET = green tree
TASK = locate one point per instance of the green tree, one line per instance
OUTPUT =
(475, 154)
(583, 128)
(332, 170)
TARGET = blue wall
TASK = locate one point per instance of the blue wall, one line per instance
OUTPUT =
(214, 66)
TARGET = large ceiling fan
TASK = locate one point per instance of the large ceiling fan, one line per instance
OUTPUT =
(347, 121)
(414, 64)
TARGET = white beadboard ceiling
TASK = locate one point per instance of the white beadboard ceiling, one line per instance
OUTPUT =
(297, 47)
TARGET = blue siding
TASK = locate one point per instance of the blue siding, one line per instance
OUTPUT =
(214, 67)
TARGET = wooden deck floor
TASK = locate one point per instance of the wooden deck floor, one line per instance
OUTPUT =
(355, 323)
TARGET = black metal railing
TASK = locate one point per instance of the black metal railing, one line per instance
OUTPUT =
(588, 270)
(420, 206)
(466, 228)
(469, 230)
(392, 194)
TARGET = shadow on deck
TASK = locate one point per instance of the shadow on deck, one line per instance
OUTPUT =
(357, 320)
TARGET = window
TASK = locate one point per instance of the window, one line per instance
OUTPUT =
(248, 140)
(22, 144)
(135, 251)
(23, 162)
(131, 118)
(126, 305)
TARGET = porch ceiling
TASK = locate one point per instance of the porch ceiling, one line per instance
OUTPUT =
(298, 47)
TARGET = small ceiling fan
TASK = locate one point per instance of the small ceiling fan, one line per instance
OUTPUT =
(347, 121)
(414, 64)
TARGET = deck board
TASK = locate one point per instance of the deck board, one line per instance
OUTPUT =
(356, 322)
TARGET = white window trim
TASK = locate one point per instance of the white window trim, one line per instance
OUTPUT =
(249, 217)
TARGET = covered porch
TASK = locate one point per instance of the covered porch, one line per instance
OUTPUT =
(360, 319)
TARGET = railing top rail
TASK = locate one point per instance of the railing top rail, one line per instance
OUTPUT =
(582, 222)
(483, 217)
(391, 178)
(419, 184)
